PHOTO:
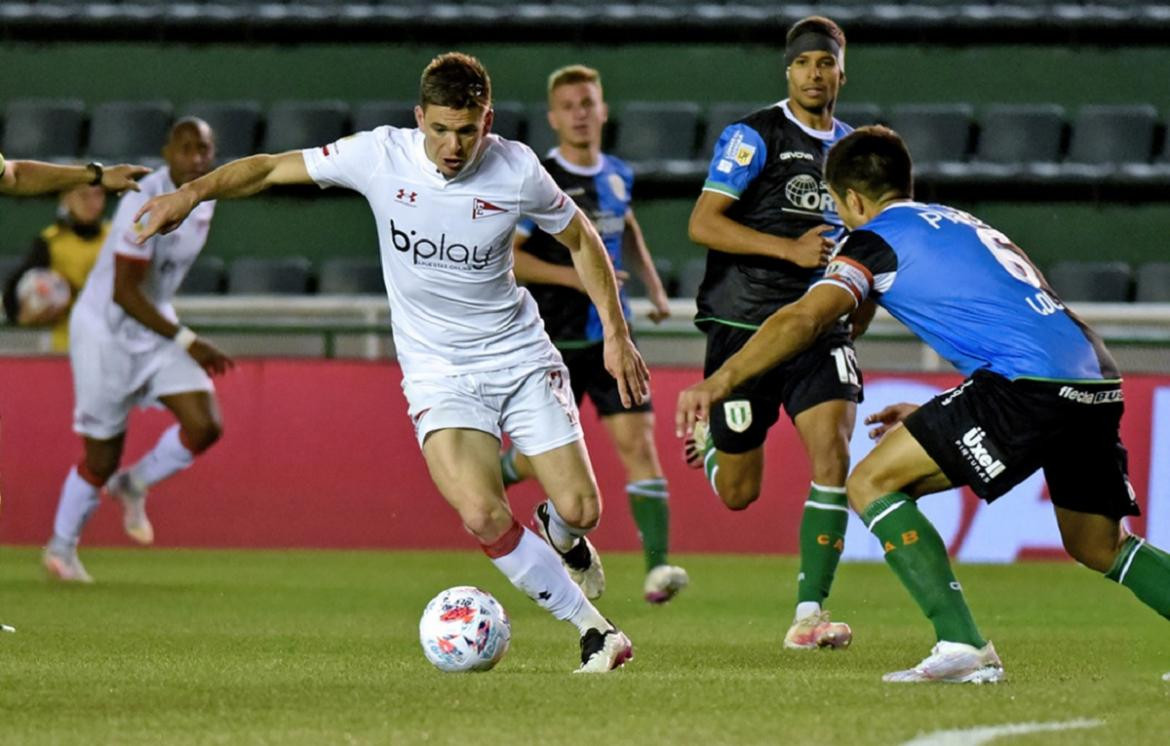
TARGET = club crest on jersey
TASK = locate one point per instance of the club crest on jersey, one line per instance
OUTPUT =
(618, 187)
(481, 208)
(738, 415)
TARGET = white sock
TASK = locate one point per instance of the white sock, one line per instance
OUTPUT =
(167, 457)
(78, 500)
(806, 609)
(534, 568)
(562, 534)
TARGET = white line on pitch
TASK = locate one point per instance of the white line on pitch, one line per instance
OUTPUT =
(986, 733)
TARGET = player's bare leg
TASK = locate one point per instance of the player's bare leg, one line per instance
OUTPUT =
(199, 427)
(824, 431)
(464, 465)
(1100, 543)
(632, 434)
(572, 510)
(80, 495)
(877, 490)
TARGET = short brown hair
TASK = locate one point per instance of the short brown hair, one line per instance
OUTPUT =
(456, 81)
(571, 74)
(872, 161)
(817, 25)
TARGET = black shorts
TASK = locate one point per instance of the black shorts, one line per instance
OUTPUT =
(587, 375)
(990, 434)
(826, 371)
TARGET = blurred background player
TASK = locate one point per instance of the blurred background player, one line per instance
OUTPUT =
(27, 178)
(475, 359)
(1042, 391)
(769, 223)
(70, 248)
(127, 348)
(601, 185)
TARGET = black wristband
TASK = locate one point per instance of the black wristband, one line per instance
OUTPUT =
(97, 173)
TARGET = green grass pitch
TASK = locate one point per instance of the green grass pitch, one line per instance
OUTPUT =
(305, 647)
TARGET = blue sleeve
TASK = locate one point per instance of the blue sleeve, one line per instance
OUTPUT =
(738, 159)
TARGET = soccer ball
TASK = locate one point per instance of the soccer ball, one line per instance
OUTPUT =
(464, 629)
(41, 291)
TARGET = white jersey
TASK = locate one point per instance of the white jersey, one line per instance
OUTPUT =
(169, 257)
(446, 246)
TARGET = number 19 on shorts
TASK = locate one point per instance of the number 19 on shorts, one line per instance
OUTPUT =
(846, 360)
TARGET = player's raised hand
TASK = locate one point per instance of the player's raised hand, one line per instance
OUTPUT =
(123, 177)
(167, 212)
(813, 247)
(625, 364)
(695, 403)
(209, 357)
(888, 418)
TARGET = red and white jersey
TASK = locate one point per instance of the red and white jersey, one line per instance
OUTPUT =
(446, 246)
(169, 257)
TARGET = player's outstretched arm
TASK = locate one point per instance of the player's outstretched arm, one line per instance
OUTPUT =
(709, 226)
(26, 178)
(634, 246)
(787, 332)
(591, 261)
(239, 178)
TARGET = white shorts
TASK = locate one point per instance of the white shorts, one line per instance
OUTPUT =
(534, 406)
(109, 381)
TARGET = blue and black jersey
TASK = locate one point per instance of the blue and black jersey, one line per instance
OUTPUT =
(772, 165)
(970, 293)
(603, 193)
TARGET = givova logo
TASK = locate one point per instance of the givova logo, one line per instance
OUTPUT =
(987, 463)
(809, 193)
(425, 251)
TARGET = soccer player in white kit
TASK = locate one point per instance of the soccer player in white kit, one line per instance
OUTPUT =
(127, 348)
(476, 361)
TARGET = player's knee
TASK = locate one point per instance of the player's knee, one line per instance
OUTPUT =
(201, 435)
(99, 469)
(739, 496)
(863, 487)
(1098, 556)
(486, 522)
(583, 512)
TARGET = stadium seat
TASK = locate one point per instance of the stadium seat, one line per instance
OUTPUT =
(718, 117)
(351, 277)
(293, 125)
(509, 119)
(636, 289)
(933, 132)
(690, 277)
(235, 123)
(43, 128)
(369, 115)
(658, 130)
(858, 114)
(1153, 282)
(129, 130)
(1113, 134)
(1096, 282)
(206, 277)
(285, 276)
(1025, 133)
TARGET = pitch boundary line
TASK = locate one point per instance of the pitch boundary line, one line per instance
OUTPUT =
(982, 734)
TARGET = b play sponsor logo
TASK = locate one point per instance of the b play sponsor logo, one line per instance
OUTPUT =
(444, 252)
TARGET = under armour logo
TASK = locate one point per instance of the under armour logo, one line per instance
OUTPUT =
(544, 595)
(406, 197)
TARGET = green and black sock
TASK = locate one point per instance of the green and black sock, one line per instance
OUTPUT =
(651, 510)
(822, 540)
(917, 555)
(1145, 570)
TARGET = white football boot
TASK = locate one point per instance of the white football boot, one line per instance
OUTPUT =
(818, 631)
(64, 565)
(695, 447)
(581, 561)
(663, 583)
(602, 652)
(128, 491)
(954, 663)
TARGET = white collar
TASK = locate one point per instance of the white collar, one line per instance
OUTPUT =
(819, 134)
(573, 168)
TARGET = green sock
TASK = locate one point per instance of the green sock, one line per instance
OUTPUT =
(508, 466)
(917, 555)
(822, 540)
(648, 503)
(1145, 570)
